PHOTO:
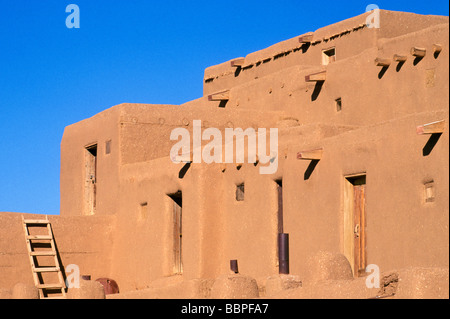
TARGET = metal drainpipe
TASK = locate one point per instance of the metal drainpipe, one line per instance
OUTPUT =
(234, 266)
(283, 253)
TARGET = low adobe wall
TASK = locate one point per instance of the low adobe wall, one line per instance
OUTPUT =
(83, 241)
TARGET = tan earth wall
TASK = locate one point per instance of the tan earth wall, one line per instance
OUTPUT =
(98, 130)
(83, 241)
(130, 237)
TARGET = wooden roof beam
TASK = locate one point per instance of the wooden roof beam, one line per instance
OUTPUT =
(316, 77)
(418, 52)
(400, 58)
(219, 96)
(437, 48)
(238, 62)
(310, 155)
(306, 38)
(431, 128)
(382, 62)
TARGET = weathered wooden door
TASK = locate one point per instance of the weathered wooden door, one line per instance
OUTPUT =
(355, 240)
(177, 234)
(280, 207)
(90, 188)
(359, 215)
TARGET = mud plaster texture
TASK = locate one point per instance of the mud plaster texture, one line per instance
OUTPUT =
(169, 230)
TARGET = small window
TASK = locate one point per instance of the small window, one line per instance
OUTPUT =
(338, 104)
(429, 192)
(328, 56)
(240, 192)
(108, 147)
(144, 211)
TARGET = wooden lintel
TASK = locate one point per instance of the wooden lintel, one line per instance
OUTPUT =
(306, 38)
(431, 128)
(400, 58)
(239, 62)
(382, 62)
(219, 96)
(316, 77)
(418, 52)
(310, 155)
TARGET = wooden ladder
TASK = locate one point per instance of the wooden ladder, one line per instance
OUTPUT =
(38, 246)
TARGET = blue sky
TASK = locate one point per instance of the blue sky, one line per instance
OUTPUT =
(136, 51)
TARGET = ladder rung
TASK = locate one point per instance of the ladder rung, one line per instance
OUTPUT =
(42, 253)
(46, 269)
(56, 286)
(36, 221)
(50, 286)
(40, 237)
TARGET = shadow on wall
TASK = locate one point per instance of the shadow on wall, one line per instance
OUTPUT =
(432, 141)
(399, 66)
(382, 71)
(310, 169)
(317, 89)
(184, 170)
(417, 60)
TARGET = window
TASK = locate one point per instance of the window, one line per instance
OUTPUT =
(338, 104)
(144, 211)
(108, 147)
(328, 56)
(240, 192)
(429, 192)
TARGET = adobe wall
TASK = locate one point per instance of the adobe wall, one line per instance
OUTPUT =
(98, 130)
(351, 37)
(217, 228)
(144, 241)
(84, 241)
(144, 247)
(402, 230)
(287, 54)
(146, 128)
(368, 96)
(374, 134)
(250, 225)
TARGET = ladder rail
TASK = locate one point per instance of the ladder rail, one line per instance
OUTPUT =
(55, 256)
(31, 258)
(34, 254)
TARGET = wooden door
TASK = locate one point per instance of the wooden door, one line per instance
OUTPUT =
(177, 237)
(90, 180)
(280, 207)
(359, 215)
(280, 223)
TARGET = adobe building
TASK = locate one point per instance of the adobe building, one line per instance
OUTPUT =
(362, 176)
